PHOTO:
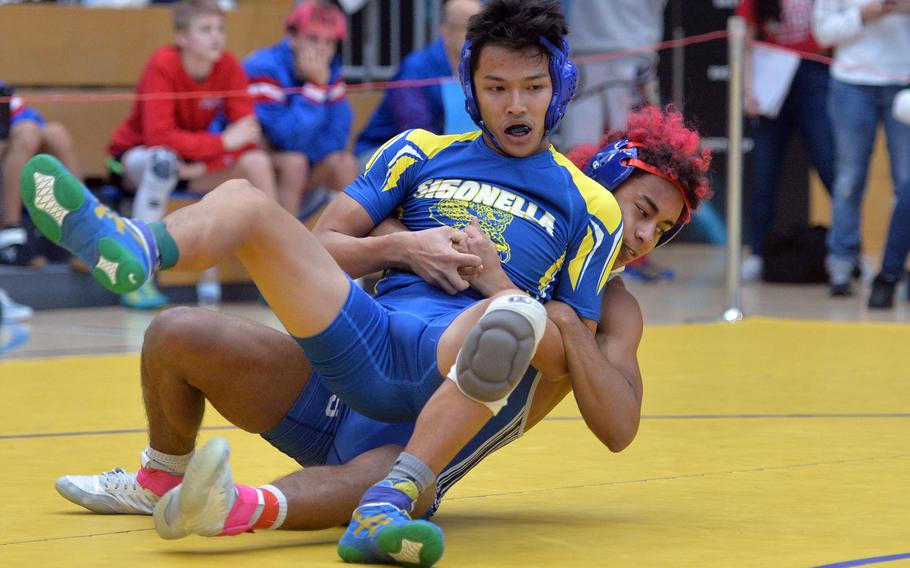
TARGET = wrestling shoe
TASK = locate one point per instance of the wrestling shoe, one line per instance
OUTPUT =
(146, 297)
(118, 491)
(120, 252)
(381, 533)
(204, 503)
(646, 270)
(13, 312)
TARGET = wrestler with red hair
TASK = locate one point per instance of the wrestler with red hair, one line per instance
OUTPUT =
(656, 142)
(657, 160)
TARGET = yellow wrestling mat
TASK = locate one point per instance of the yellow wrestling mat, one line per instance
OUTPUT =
(764, 443)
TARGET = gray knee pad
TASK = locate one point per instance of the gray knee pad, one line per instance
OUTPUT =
(161, 167)
(159, 178)
(498, 350)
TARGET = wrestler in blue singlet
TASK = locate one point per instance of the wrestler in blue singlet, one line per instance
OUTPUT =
(322, 430)
(557, 232)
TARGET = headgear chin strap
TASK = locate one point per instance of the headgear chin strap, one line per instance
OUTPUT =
(616, 162)
(563, 76)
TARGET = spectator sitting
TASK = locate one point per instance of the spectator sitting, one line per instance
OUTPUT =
(166, 139)
(27, 134)
(300, 100)
(437, 108)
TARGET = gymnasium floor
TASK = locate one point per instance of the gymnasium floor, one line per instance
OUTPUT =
(781, 440)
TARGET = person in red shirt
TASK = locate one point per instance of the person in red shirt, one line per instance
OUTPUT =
(167, 138)
(787, 24)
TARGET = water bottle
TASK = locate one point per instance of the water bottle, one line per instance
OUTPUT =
(208, 289)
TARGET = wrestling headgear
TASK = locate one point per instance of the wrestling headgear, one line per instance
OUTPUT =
(616, 162)
(563, 75)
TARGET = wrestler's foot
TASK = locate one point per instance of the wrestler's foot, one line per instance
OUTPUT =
(201, 504)
(120, 252)
(209, 503)
(118, 491)
(382, 533)
(146, 297)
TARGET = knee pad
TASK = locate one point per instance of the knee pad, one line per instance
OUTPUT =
(159, 179)
(161, 167)
(498, 350)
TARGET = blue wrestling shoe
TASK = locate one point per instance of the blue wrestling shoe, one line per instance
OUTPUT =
(381, 533)
(120, 252)
(146, 297)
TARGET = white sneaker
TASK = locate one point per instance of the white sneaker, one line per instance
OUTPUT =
(752, 268)
(112, 492)
(200, 505)
(11, 311)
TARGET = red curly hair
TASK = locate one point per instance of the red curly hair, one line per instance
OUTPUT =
(664, 143)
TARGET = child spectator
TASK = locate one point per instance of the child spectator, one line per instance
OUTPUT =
(26, 134)
(166, 138)
(300, 100)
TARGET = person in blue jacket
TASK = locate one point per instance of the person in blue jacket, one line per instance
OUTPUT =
(300, 100)
(438, 108)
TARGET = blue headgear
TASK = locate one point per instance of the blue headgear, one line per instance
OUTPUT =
(611, 166)
(563, 75)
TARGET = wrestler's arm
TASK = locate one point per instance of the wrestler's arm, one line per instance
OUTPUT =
(604, 371)
(603, 368)
(344, 229)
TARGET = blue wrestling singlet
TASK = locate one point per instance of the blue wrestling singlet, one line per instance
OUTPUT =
(322, 430)
(557, 232)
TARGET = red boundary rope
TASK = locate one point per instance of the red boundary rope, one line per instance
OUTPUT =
(90, 97)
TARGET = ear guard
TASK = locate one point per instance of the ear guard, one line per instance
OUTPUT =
(613, 165)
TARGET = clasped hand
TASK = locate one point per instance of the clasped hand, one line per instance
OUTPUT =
(455, 260)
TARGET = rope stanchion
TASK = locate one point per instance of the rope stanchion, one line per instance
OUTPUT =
(736, 50)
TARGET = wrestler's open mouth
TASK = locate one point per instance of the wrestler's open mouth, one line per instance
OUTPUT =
(518, 130)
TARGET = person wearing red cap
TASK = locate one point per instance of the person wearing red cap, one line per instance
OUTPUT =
(299, 97)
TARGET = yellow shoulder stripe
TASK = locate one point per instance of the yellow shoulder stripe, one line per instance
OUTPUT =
(608, 270)
(598, 199)
(431, 144)
(398, 168)
(380, 150)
